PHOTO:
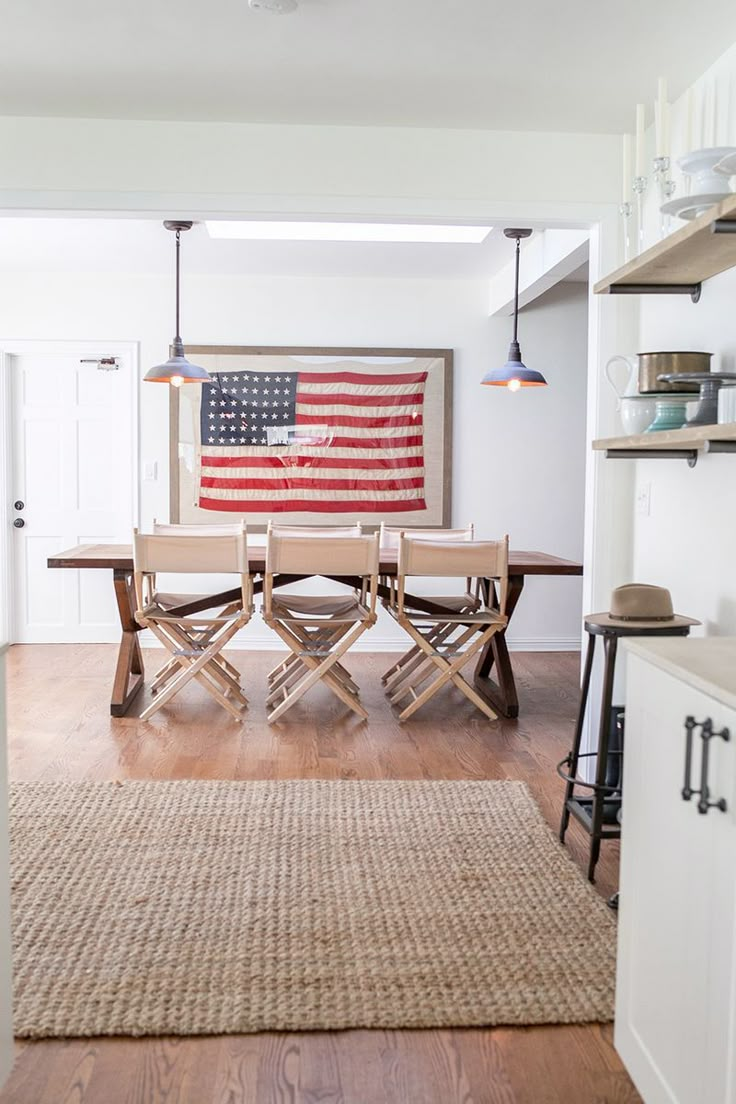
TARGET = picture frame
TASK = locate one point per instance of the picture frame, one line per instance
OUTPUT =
(375, 449)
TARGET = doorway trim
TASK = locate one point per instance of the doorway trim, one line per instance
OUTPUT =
(61, 347)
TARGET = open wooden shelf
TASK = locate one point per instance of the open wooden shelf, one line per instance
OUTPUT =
(670, 444)
(701, 249)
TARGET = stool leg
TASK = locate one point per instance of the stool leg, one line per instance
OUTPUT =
(570, 786)
(609, 644)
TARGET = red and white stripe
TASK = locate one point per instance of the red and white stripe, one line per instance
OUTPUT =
(374, 462)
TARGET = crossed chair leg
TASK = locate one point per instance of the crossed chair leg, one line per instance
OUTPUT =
(223, 670)
(311, 664)
(449, 668)
(319, 641)
(412, 659)
(195, 655)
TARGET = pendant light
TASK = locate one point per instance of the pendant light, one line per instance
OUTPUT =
(515, 374)
(177, 369)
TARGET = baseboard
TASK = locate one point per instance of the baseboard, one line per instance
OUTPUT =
(372, 642)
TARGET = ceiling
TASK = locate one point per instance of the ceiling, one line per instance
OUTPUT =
(145, 247)
(538, 65)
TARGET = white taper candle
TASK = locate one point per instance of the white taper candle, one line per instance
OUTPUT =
(689, 118)
(626, 175)
(660, 118)
(639, 165)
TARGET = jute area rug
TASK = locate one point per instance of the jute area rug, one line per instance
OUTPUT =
(195, 908)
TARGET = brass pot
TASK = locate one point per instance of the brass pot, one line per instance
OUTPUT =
(652, 365)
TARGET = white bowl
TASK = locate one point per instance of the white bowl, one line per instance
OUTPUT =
(701, 166)
(637, 414)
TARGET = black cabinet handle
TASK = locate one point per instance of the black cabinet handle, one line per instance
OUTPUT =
(687, 790)
(19, 523)
(708, 733)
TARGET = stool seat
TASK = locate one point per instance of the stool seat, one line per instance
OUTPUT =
(593, 809)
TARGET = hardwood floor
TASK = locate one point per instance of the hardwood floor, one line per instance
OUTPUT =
(59, 727)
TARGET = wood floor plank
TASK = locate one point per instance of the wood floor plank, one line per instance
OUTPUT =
(59, 727)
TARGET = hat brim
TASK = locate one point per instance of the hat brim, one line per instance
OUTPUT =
(605, 620)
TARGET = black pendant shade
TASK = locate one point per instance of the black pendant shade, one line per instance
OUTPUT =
(177, 369)
(514, 373)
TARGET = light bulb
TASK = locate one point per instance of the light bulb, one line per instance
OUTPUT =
(513, 384)
(176, 381)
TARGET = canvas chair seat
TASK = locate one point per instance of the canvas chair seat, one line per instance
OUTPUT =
(343, 606)
(167, 613)
(171, 601)
(451, 603)
(457, 616)
(194, 641)
(318, 629)
(445, 639)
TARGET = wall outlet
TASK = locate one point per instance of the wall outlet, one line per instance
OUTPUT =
(644, 500)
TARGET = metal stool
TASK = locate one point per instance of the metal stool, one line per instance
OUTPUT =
(589, 810)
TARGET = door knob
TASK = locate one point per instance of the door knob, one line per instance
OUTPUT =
(19, 523)
(18, 505)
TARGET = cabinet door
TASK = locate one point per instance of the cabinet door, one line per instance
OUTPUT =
(678, 875)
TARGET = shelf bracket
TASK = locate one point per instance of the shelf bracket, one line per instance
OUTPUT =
(723, 226)
(693, 290)
(690, 455)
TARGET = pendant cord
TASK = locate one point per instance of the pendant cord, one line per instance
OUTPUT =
(516, 291)
(178, 247)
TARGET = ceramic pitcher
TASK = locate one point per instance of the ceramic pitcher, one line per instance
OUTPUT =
(635, 411)
(630, 378)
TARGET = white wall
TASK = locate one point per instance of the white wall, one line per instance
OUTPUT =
(687, 542)
(518, 459)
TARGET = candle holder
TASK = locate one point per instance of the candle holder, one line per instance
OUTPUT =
(640, 187)
(666, 186)
(625, 210)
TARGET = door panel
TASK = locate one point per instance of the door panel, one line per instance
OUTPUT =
(73, 467)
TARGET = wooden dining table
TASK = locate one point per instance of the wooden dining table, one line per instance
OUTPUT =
(129, 678)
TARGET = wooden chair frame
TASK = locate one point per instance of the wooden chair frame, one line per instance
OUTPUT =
(438, 650)
(195, 641)
(391, 538)
(318, 630)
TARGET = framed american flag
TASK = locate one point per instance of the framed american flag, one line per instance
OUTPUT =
(314, 436)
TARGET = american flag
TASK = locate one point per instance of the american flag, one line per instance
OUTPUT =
(321, 442)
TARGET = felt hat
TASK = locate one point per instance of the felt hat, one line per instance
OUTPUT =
(641, 606)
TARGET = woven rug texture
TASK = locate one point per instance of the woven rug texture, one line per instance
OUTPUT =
(193, 908)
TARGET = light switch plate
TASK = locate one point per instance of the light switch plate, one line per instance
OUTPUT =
(150, 471)
(644, 500)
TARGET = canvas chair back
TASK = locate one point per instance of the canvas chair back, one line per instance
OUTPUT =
(211, 554)
(299, 555)
(454, 559)
(391, 534)
(186, 554)
(318, 531)
(165, 529)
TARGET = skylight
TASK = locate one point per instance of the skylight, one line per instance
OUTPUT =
(348, 232)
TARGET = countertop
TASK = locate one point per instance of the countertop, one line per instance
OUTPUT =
(705, 663)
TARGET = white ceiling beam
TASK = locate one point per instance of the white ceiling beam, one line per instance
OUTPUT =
(547, 258)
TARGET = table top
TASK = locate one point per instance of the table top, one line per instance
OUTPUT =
(120, 557)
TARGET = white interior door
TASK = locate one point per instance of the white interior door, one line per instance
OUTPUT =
(74, 470)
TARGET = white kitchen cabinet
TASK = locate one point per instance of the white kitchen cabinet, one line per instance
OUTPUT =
(676, 987)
